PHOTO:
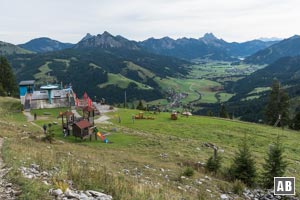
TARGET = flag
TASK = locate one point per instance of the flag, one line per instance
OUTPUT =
(85, 96)
(90, 102)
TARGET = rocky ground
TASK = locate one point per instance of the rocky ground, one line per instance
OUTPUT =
(66, 189)
(7, 190)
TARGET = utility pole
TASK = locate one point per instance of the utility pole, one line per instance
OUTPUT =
(125, 96)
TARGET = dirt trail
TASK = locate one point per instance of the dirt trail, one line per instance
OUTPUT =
(30, 119)
(6, 188)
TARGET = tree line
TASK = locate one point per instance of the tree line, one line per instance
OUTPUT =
(277, 110)
(8, 85)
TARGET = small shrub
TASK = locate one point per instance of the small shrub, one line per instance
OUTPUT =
(188, 172)
(225, 187)
(60, 184)
(49, 134)
(213, 164)
(238, 187)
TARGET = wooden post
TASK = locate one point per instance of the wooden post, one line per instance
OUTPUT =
(215, 152)
(93, 117)
(62, 120)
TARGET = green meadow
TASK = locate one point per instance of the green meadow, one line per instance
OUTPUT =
(143, 159)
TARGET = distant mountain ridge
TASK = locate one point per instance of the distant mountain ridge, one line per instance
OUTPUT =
(44, 44)
(206, 47)
(286, 47)
(9, 49)
(105, 41)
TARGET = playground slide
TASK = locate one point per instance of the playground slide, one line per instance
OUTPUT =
(102, 137)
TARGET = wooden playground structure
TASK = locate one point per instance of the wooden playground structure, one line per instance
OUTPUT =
(80, 127)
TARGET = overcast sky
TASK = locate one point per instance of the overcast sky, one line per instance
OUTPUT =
(70, 20)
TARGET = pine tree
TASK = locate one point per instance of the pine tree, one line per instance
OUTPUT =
(278, 104)
(243, 166)
(274, 165)
(209, 113)
(213, 164)
(223, 112)
(296, 121)
(140, 106)
(7, 79)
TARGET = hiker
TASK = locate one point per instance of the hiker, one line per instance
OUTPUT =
(133, 118)
(35, 116)
(65, 132)
(45, 128)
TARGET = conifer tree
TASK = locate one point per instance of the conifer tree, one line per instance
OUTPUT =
(223, 112)
(140, 106)
(278, 104)
(243, 166)
(213, 164)
(274, 165)
(296, 121)
(8, 84)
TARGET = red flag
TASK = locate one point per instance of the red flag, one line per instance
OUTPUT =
(85, 96)
(90, 103)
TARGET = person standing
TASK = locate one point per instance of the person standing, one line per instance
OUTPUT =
(45, 128)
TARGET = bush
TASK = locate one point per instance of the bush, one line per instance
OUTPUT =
(188, 172)
(238, 187)
(213, 164)
(49, 134)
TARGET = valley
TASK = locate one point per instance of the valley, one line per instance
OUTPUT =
(205, 83)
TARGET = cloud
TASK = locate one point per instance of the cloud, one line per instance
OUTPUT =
(69, 20)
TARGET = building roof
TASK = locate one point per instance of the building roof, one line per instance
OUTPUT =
(83, 124)
(27, 82)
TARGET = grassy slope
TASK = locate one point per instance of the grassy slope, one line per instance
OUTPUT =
(134, 146)
(8, 49)
(43, 76)
(120, 81)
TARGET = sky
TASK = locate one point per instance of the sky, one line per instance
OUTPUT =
(70, 20)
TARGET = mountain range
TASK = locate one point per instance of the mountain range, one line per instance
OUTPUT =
(207, 47)
(102, 64)
(108, 65)
(286, 47)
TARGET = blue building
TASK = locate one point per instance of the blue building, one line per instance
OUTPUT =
(26, 88)
(48, 96)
